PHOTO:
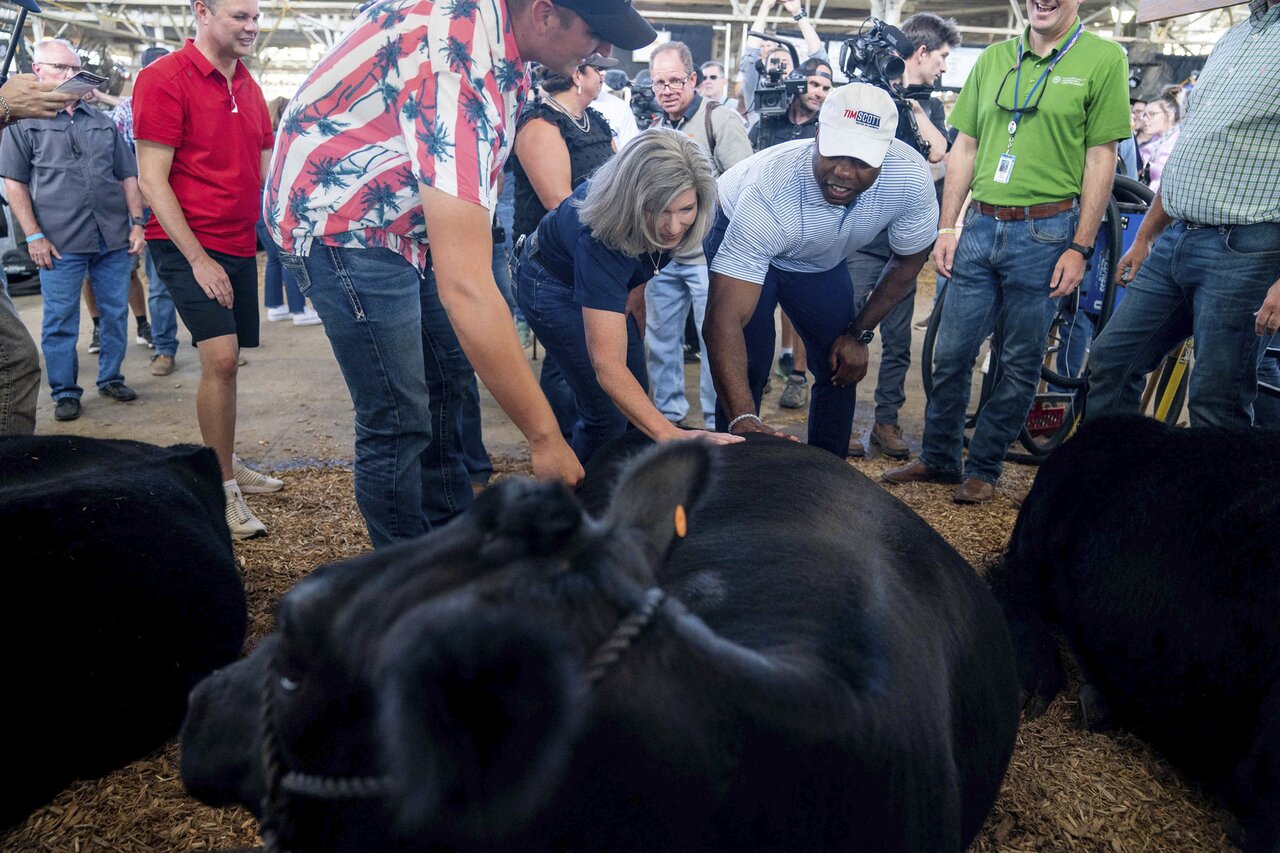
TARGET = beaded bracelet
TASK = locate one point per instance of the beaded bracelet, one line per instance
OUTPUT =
(8, 115)
(750, 415)
(800, 16)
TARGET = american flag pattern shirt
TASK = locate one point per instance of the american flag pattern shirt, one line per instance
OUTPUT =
(415, 91)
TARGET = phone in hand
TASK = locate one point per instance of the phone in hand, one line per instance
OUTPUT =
(82, 83)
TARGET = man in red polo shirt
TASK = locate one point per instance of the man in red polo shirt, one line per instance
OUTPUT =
(204, 139)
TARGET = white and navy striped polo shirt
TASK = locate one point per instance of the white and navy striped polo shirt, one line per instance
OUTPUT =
(777, 214)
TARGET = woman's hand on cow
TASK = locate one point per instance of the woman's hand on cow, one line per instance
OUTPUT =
(702, 435)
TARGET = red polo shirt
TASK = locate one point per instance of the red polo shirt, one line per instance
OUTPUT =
(218, 136)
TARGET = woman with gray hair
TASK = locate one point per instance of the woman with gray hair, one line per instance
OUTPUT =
(591, 254)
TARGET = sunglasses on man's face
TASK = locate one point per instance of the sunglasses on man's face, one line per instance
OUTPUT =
(712, 76)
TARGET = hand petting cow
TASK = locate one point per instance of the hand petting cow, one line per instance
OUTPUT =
(121, 593)
(674, 674)
(1154, 552)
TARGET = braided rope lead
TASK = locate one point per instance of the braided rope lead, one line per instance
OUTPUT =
(336, 787)
(620, 640)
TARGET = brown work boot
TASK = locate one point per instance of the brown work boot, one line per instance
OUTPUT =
(857, 449)
(888, 437)
(918, 472)
(161, 365)
(974, 491)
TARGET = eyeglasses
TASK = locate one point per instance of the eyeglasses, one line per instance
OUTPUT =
(1014, 108)
(58, 66)
(672, 85)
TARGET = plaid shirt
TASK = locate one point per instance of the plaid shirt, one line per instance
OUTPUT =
(122, 115)
(415, 91)
(1225, 167)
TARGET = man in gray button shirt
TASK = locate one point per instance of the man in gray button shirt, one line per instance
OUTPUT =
(73, 185)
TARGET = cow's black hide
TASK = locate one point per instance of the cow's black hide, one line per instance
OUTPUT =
(1155, 552)
(121, 593)
(840, 681)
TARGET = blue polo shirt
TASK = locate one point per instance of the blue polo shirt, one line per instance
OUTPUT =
(601, 277)
(777, 215)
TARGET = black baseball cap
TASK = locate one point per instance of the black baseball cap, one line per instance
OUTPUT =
(615, 21)
(29, 5)
(151, 54)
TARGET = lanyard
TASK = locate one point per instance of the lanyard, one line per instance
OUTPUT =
(1017, 79)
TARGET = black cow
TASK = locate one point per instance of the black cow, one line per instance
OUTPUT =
(121, 593)
(1155, 552)
(529, 678)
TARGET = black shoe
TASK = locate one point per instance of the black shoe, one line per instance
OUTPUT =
(66, 409)
(144, 334)
(95, 342)
(119, 392)
(785, 366)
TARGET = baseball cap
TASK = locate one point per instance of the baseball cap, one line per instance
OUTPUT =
(29, 5)
(600, 63)
(857, 120)
(615, 21)
(151, 54)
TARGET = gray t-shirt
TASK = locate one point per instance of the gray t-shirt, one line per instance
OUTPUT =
(72, 166)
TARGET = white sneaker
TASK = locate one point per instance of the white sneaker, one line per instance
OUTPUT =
(307, 317)
(253, 482)
(280, 312)
(243, 523)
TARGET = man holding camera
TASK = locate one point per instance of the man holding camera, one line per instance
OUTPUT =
(789, 218)
(756, 60)
(1038, 121)
(668, 295)
(924, 43)
(800, 120)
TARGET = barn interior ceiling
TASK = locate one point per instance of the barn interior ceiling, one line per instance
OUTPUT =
(295, 32)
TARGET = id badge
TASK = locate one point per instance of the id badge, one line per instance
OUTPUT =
(1004, 168)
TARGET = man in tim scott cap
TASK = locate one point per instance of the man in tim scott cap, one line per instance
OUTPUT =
(380, 194)
(789, 218)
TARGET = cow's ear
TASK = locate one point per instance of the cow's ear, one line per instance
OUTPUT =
(658, 490)
(478, 708)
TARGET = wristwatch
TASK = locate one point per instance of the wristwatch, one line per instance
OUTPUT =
(864, 337)
(137, 220)
(1086, 251)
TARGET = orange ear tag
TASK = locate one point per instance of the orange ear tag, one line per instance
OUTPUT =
(682, 521)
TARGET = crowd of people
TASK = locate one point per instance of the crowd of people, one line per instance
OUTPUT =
(384, 194)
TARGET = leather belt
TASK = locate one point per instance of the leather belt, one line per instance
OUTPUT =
(1016, 214)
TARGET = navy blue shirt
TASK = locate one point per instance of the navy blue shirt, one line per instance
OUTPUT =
(601, 276)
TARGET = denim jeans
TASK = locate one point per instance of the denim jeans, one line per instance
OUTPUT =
(1201, 281)
(471, 436)
(408, 378)
(164, 316)
(1266, 409)
(894, 333)
(1000, 275)
(108, 273)
(820, 306)
(556, 319)
(278, 285)
(19, 369)
(668, 296)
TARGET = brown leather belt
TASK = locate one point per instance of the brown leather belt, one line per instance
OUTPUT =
(1035, 211)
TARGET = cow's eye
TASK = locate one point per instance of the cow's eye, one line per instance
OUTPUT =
(288, 685)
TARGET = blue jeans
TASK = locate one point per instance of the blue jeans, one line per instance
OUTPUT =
(668, 296)
(278, 284)
(1000, 275)
(408, 378)
(556, 319)
(1201, 281)
(164, 316)
(820, 306)
(894, 332)
(108, 273)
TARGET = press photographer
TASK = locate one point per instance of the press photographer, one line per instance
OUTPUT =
(799, 118)
(906, 63)
(774, 57)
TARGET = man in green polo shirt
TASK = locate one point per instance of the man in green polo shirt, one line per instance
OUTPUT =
(1039, 118)
(1208, 252)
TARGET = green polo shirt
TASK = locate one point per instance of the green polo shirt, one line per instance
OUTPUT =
(1085, 102)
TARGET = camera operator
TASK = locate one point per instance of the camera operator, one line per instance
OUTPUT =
(774, 55)
(800, 121)
(928, 42)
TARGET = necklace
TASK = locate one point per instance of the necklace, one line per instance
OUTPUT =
(655, 258)
(582, 123)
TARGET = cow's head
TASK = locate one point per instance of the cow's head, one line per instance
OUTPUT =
(432, 692)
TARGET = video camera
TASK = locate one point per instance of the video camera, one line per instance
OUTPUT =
(878, 56)
(775, 90)
(644, 104)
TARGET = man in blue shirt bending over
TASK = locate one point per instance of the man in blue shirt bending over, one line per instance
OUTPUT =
(790, 216)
